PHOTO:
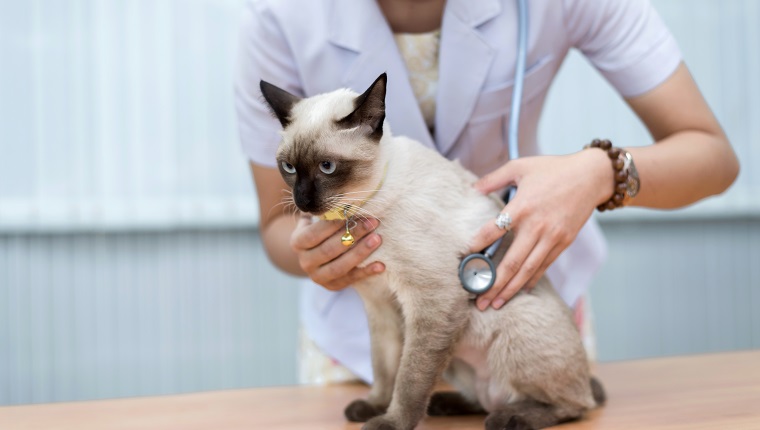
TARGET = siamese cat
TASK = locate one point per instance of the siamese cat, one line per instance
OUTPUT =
(524, 364)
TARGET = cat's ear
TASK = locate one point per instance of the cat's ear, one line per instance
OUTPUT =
(280, 101)
(369, 110)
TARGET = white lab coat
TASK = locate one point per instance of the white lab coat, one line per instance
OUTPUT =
(314, 46)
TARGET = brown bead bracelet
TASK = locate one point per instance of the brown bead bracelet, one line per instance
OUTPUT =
(621, 172)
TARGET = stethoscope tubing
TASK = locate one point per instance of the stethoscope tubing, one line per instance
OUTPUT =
(512, 140)
(520, 67)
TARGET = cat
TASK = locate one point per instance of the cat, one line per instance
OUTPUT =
(524, 365)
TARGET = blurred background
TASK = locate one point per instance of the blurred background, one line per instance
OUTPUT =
(130, 262)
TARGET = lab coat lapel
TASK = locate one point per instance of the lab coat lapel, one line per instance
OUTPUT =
(464, 62)
(359, 27)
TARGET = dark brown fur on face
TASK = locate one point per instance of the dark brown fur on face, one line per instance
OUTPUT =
(369, 109)
(280, 101)
(314, 191)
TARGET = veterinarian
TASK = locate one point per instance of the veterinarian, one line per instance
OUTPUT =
(451, 67)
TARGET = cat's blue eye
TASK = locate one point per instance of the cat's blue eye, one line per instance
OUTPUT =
(287, 167)
(327, 167)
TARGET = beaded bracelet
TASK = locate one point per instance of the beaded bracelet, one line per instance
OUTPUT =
(626, 177)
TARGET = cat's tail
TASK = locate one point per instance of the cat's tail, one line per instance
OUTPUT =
(600, 397)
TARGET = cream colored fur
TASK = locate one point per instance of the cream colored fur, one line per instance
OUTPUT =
(422, 322)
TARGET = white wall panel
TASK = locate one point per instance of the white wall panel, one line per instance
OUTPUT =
(100, 316)
(678, 287)
(119, 114)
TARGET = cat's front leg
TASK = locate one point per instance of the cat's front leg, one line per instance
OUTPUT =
(386, 331)
(434, 318)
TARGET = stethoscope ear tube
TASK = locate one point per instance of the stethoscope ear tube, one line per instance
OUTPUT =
(520, 66)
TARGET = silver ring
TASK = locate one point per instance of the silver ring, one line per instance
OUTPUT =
(504, 221)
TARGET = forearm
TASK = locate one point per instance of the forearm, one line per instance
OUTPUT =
(276, 225)
(683, 168)
(276, 238)
(692, 158)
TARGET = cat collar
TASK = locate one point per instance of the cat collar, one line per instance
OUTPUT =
(346, 212)
(349, 210)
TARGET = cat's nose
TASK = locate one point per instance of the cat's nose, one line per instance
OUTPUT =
(306, 203)
(304, 196)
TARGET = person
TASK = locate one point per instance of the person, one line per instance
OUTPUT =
(451, 66)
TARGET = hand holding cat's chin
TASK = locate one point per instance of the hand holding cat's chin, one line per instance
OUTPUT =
(556, 196)
(329, 263)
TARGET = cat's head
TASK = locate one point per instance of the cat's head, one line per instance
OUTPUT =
(330, 144)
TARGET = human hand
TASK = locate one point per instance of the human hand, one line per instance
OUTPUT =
(326, 260)
(556, 196)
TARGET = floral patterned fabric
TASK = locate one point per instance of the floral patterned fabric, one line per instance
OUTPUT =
(420, 53)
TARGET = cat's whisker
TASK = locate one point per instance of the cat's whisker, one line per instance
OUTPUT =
(374, 199)
(363, 191)
(294, 216)
(345, 201)
(286, 202)
(354, 204)
(287, 199)
(360, 197)
(288, 205)
(363, 210)
(364, 214)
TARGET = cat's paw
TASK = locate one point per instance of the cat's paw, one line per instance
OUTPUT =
(505, 420)
(448, 403)
(381, 423)
(518, 423)
(360, 411)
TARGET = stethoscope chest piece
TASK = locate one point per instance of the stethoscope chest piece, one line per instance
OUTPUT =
(477, 273)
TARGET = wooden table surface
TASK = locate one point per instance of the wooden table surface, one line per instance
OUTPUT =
(716, 391)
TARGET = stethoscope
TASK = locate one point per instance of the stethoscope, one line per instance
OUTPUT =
(477, 271)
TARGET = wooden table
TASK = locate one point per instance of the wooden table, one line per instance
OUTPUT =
(717, 391)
